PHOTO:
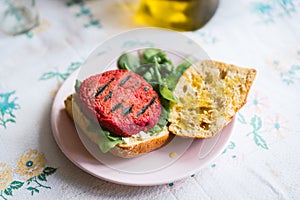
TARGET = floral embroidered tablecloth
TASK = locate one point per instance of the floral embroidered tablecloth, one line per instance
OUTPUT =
(261, 160)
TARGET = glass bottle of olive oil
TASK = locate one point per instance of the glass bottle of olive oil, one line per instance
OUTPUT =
(181, 15)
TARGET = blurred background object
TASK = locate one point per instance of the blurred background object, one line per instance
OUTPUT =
(178, 15)
(181, 15)
(17, 16)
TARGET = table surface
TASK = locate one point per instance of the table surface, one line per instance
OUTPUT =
(261, 160)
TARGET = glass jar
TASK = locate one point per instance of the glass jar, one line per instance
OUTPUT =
(17, 16)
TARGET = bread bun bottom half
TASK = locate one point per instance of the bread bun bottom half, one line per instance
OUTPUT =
(135, 146)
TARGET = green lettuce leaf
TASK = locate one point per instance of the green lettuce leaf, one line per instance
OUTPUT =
(129, 62)
(173, 78)
(105, 140)
(162, 120)
(77, 85)
(167, 94)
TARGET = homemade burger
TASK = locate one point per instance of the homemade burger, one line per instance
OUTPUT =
(137, 116)
(125, 105)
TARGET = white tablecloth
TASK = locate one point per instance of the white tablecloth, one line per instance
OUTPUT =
(261, 160)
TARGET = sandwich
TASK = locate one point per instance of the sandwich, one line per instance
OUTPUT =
(138, 107)
(119, 111)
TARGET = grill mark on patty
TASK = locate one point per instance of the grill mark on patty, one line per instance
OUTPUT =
(146, 106)
(108, 96)
(102, 88)
(137, 84)
(125, 80)
(116, 107)
(127, 110)
(146, 89)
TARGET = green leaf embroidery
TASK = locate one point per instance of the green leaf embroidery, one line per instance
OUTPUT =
(94, 22)
(292, 75)
(256, 123)
(230, 146)
(16, 185)
(49, 170)
(74, 66)
(10, 120)
(33, 183)
(29, 180)
(241, 118)
(42, 177)
(48, 75)
(259, 141)
(84, 12)
(1, 195)
(7, 108)
(8, 191)
(62, 76)
(29, 34)
(33, 190)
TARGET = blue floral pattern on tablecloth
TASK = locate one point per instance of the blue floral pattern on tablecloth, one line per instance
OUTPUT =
(8, 106)
(270, 10)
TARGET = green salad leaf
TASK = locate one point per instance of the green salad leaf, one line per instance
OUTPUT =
(105, 140)
(128, 62)
(156, 68)
(77, 85)
(173, 78)
(167, 93)
(162, 121)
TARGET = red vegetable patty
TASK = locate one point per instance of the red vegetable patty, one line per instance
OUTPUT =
(123, 102)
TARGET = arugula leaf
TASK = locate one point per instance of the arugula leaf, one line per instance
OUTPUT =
(173, 78)
(167, 94)
(156, 68)
(157, 75)
(77, 85)
(183, 66)
(150, 53)
(162, 121)
(129, 62)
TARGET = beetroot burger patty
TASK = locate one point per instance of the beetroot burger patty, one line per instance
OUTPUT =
(123, 102)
